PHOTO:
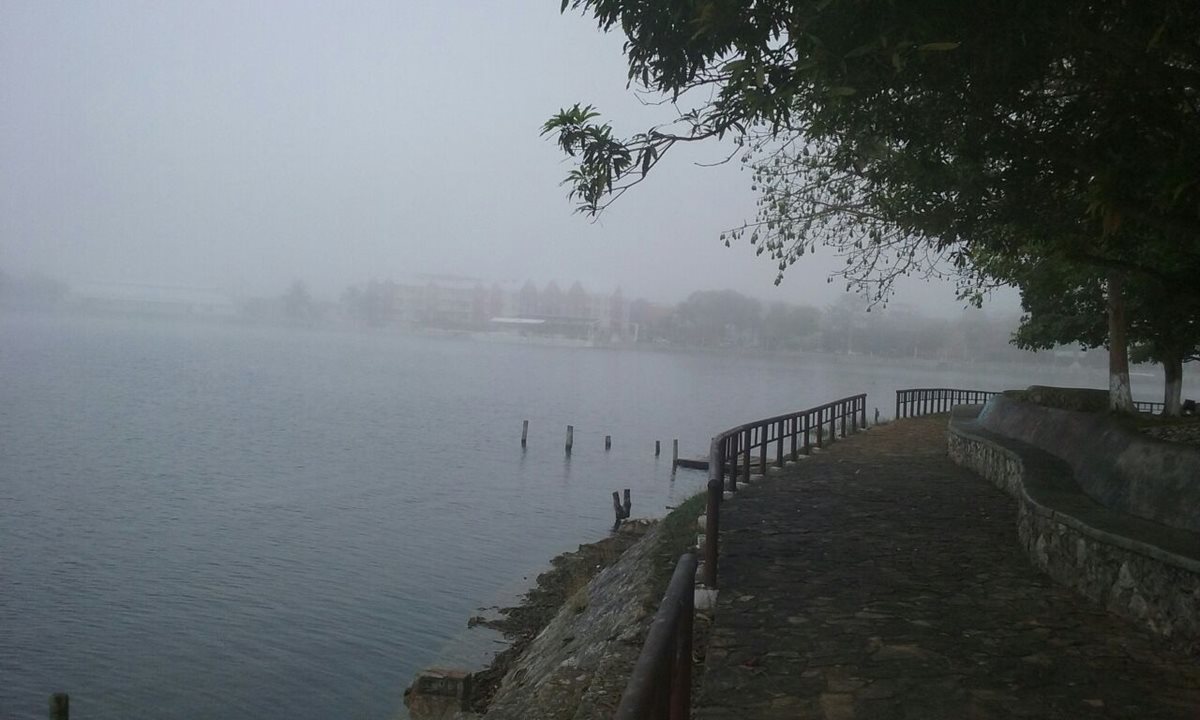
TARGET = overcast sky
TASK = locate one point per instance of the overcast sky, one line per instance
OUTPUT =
(241, 145)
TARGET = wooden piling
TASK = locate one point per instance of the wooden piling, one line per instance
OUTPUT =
(657, 448)
(608, 442)
(674, 452)
(524, 432)
(60, 706)
(570, 437)
(620, 511)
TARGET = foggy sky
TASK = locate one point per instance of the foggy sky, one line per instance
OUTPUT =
(243, 145)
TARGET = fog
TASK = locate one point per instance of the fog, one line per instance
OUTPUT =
(239, 147)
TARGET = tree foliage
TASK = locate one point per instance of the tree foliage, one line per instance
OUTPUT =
(918, 135)
(929, 127)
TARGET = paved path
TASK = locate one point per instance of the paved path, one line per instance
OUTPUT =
(879, 580)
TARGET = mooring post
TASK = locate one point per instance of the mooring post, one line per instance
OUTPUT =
(60, 706)
(674, 452)
(621, 511)
(570, 437)
(524, 432)
(657, 448)
(608, 442)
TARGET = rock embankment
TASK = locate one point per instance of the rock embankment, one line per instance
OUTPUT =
(577, 666)
(575, 639)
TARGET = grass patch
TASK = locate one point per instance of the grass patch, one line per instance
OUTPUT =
(676, 535)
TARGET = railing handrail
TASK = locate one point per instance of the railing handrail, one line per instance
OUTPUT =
(947, 390)
(910, 399)
(914, 402)
(660, 685)
(726, 447)
(666, 655)
(786, 416)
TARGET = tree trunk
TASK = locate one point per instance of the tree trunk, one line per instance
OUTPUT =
(1120, 396)
(1173, 390)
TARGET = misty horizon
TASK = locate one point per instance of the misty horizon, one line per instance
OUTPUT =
(242, 149)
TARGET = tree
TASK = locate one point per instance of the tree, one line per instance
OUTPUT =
(785, 327)
(298, 304)
(720, 317)
(1064, 304)
(955, 87)
(374, 305)
(919, 131)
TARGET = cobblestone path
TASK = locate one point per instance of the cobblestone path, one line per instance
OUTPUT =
(879, 580)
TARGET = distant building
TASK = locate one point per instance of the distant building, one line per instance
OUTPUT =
(466, 303)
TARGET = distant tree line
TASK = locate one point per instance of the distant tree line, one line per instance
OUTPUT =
(728, 319)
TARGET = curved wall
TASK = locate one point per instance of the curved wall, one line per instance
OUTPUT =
(1137, 568)
(1118, 468)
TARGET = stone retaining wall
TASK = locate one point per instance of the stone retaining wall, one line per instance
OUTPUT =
(1155, 587)
(1121, 469)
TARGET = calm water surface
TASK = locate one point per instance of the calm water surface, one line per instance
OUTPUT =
(228, 522)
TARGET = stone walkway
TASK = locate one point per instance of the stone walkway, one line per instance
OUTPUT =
(879, 580)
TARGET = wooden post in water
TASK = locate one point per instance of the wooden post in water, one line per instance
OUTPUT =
(524, 432)
(60, 706)
(674, 452)
(608, 442)
(621, 511)
(657, 448)
(570, 437)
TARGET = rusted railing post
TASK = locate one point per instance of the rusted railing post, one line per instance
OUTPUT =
(661, 665)
(793, 433)
(734, 453)
(746, 455)
(681, 665)
(762, 448)
(712, 526)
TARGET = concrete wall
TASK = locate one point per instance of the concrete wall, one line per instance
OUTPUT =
(1132, 567)
(1119, 468)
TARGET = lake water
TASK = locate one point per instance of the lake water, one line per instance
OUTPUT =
(230, 522)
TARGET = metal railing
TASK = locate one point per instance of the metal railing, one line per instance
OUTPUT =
(660, 686)
(738, 449)
(916, 402)
(730, 455)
